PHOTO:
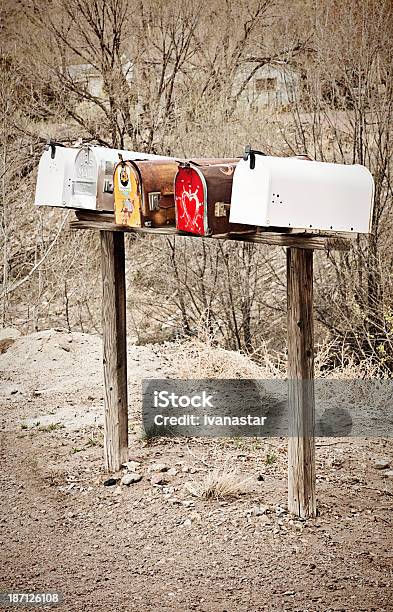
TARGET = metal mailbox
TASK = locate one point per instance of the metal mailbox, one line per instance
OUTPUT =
(203, 196)
(297, 193)
(54, 180)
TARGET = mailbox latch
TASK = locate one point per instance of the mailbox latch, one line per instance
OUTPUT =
(250, 153)
(220, 209)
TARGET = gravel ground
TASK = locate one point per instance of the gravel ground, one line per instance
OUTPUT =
(158, 544)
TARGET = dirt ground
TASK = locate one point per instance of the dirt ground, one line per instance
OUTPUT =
(159, 547)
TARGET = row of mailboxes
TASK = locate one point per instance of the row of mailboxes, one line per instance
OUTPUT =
(208, 196)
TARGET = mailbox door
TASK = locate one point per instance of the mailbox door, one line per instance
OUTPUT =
(190, 201)
(127, 193)
(107, 160)
(54, 179)
(84, 187)
(250, 193)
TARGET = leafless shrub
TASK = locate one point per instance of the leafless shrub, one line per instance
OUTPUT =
(219, 483)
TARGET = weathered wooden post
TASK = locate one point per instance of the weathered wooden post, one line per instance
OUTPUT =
(301, 445)
(115, 349)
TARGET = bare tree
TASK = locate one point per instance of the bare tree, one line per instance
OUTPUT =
(345, 115)
(70, 38)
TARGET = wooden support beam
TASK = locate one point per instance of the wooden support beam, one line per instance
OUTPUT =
(295, 238)
(115, 350)
(301, 404)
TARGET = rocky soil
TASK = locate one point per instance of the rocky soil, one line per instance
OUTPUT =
(147, 538)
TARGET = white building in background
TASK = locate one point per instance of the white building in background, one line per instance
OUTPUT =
(273, 85)
(87, 75)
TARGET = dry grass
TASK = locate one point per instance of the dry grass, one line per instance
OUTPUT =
(201, 358)
(220, 483)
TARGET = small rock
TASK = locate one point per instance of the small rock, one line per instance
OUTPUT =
(190, 488)
(260, 478)
(158, 467)
(195, 516)
(388, 474)
(158, 479)
(382, 464)
(132, 466)
(259, 510)
(130, 478)
(110, 482)
(172, 472)
(281, 509)
(187, 523)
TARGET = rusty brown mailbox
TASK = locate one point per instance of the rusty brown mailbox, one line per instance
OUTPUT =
(203, 196)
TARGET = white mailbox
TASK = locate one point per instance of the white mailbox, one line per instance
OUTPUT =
(54, 180)
(80, 177)
(296, 193)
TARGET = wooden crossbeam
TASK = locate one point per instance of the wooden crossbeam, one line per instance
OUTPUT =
(295, 239)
